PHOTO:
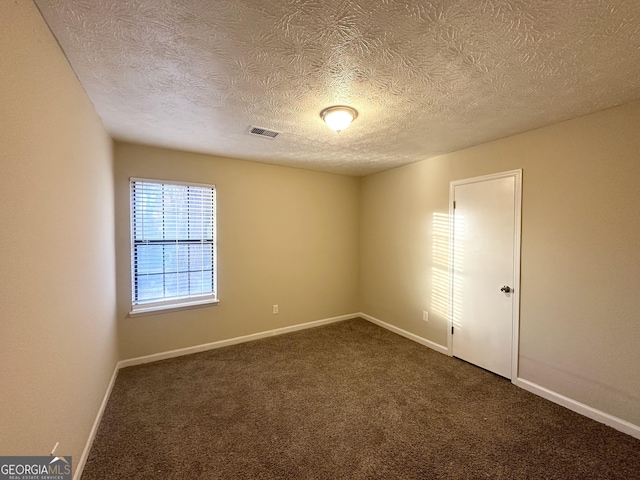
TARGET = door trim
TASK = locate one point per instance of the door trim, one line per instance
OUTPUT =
(517, 175)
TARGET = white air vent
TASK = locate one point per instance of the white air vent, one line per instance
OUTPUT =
(263, 132)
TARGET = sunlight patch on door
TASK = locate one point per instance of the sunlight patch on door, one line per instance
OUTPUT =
(457, 257)
(441, 303)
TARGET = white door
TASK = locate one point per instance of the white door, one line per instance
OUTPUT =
(485, 271)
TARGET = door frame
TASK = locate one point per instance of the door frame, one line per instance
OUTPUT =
(515, 340)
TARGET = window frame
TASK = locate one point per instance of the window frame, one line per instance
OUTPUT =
(173, 303)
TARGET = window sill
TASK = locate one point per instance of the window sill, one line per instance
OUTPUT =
(141, 311)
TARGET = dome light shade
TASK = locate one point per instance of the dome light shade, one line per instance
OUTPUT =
(338, 117)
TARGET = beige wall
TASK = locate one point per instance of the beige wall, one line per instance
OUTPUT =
(58, 344)
(285, 236)
(580, 308)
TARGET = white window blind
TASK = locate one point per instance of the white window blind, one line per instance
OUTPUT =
(173, 244)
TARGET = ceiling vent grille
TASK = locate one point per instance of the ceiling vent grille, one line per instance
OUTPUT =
(263, 132)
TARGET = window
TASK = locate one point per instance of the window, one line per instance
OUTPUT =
(173, 244)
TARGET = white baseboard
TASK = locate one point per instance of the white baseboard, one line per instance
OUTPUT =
(94, 429)
(231, 341)
(411, 336)
(590, 412)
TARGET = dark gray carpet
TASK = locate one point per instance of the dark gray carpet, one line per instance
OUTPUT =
(344, 401)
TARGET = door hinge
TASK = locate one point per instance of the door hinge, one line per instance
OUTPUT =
(451, 329)
(454, 204)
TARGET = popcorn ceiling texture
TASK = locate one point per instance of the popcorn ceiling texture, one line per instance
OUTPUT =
(427, 77)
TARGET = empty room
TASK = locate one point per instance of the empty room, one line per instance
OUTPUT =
(319, 239)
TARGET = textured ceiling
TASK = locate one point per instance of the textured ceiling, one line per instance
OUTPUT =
(427, 77)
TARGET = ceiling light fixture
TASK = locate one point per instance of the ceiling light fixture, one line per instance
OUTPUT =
(338, 117)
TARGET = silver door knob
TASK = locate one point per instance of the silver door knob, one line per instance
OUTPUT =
(506, 289)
